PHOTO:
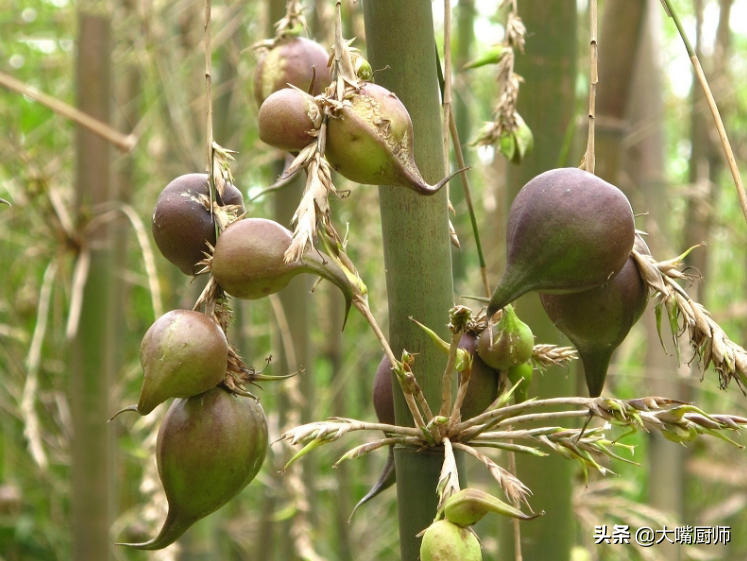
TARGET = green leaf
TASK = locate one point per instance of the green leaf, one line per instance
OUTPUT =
(492, 56)
(658, 313)
(671, 304)
(508, 145)
(524, 140)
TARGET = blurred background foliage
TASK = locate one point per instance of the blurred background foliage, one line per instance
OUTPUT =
(157, 67)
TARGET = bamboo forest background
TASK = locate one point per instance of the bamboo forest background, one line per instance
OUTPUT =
(655, 140)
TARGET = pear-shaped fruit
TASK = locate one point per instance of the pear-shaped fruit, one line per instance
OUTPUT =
(371, 139)
(484, 381)
(184, 353)
(511, 342)
(249, 261)
(445, 541)
(598, 320)
(296, 61)
(286, 117)
(383, 396)
(568, 231)
(209, 448)
(182, 224)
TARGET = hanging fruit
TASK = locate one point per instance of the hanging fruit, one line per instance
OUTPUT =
(296, 61)
(248, 261)
(468, 506)
(383, 402)
(598, 320)
(184, 353)
(383, 396)
(289, 119)
(209, 448)
(568, 231)
(182, 224)
(484, 381)
(370, 140)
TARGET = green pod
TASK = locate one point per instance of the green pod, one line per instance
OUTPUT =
(444, 541)
(521, 372)
(209, 448)
(568, 231)
(510, 342)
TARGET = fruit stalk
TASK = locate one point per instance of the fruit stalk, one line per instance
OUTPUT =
(209, 106)
(450, 364)
(360, 304)
(468, 199)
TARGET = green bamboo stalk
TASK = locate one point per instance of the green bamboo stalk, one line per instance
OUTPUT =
(547, 104)
(91, 361)
(416, 240)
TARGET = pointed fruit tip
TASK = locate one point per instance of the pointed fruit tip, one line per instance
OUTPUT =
(143, 546)
(387, 478)
(118, 413)
(425, 189)
(348, 305)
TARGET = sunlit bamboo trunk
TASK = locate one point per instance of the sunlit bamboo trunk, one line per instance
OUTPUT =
(91, 362)
(416, 240)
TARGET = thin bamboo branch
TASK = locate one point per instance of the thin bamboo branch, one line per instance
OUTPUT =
(450, 364)
(285, 334)
(125, 143)
(518, 555)
(447, 80)
(541, 417)
(506, 412)
(108, 212)
(209, 108)
(32, 430)
(590, 158)
(80, 277)
(209, 86)
(456, 412)
(468, 199)
(362, 306)
(728, 152)
(148, 260)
